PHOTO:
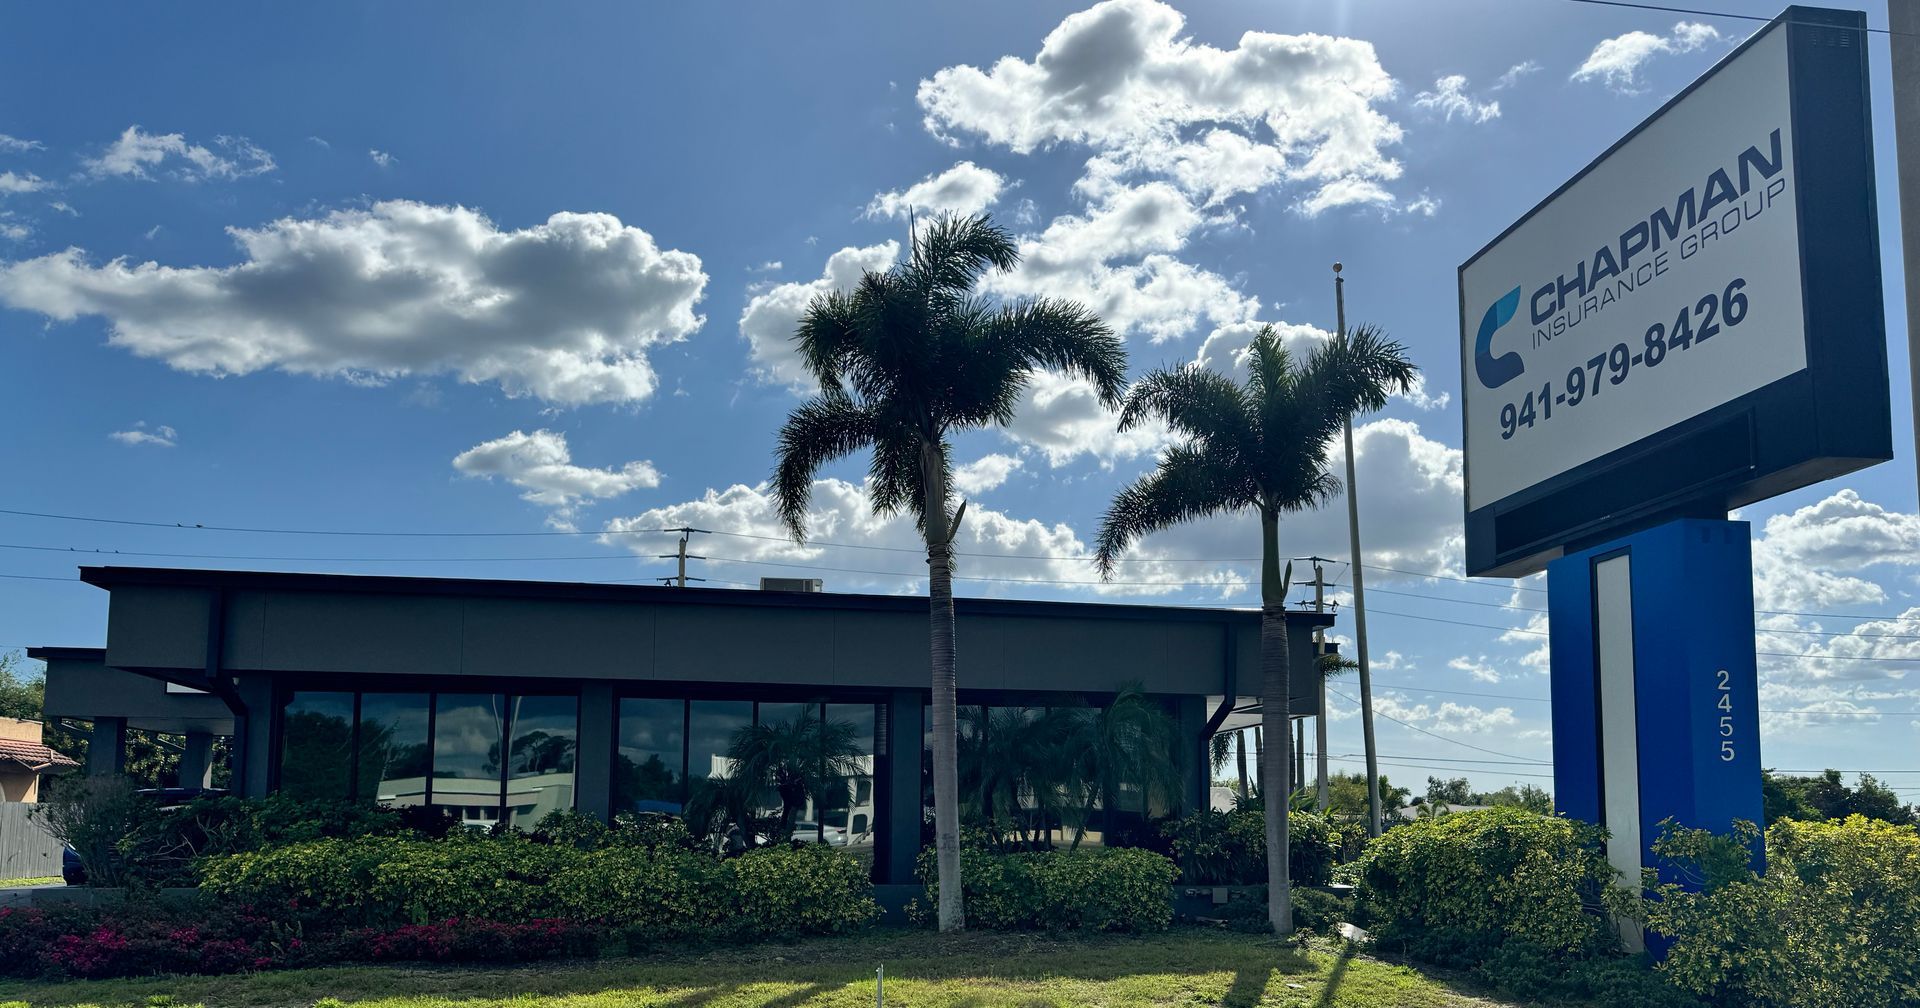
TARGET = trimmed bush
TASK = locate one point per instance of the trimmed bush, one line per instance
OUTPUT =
(1455, 887)
(1230, 848)
(1831, 922)
(812, 889)
(1106, 889)
(650, 893)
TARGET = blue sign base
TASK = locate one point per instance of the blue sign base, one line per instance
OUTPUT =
(1655, 699)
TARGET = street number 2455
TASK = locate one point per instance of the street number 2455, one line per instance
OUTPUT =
(1725, 703)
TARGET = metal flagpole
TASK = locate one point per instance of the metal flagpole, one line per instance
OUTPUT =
(1359, 590)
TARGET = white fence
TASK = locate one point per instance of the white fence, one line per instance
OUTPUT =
(26, 850)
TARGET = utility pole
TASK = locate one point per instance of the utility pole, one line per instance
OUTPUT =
(1903, 40)
(680, 580)
(1320, 799)
(1359, 590)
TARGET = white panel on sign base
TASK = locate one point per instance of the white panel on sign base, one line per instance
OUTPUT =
(1654, 236)
(1619, 726)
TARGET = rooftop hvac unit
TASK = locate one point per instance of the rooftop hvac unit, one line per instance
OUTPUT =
(792, 584)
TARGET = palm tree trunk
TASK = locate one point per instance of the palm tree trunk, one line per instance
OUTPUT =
(1240, 737)
(1275, 712)
(946, 760)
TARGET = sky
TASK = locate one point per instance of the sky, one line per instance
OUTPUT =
(442, 268)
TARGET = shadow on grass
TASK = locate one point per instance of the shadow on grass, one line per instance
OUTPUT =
(703, 976)
(1341, 961)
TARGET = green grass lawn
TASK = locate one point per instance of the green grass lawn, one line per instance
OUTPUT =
(14, 883)
(924, 970)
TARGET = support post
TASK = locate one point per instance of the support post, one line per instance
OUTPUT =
(593, 762)
(1655, 695)
(901, 812)
(196, 761)
(1903, 41)
(107, 747)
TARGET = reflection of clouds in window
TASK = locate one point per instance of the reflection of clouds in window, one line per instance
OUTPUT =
(466, 735)
(394, 748)
(713, 725)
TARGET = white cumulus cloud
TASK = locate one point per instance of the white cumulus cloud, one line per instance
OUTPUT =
(966, 188)
(985, 473)
(160, 436)
(541, 465)
(768, 321)
(1449, 98)
(138, 154)
(11, 182)
(564, 311)
(1122, 79)
(1616, 62)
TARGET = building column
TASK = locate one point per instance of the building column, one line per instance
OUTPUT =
(107, 748)
(899, 838)
(253, 737)
(196, 761)
(593, 756)
(1192, 714)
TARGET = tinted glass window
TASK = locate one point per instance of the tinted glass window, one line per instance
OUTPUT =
(540, 757)
(316, 748)
(394, 749)
(468, 731)
(649, 772)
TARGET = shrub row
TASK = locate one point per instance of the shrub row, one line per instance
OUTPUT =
(1230, 848)
(148, 938)
(651, 893)
(1834, 919)
(1470, 881)
(1105, 889)
(1523, 901)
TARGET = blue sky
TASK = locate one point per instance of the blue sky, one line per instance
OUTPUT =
(457, 268)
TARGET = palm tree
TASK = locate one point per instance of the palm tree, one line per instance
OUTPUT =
(1259, 447)
(795, 761)
(1130, 741)
(908, 357)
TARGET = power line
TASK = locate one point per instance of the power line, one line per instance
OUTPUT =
(1534, 699)
(1713, 14)
(1423, 731)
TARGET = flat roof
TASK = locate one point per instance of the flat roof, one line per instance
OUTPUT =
(380, 584)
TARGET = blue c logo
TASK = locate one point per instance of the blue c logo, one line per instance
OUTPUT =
(1497, 371)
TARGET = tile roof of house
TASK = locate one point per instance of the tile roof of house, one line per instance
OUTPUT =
(32, 755)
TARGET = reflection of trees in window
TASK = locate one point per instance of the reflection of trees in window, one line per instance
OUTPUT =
(650, 762)
(395, 753)
(316, 745)
(540, 753)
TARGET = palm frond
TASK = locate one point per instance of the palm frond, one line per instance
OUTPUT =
(1062, 336)
(952, 252)
(1195, 401)
(1357, 370)
(1188, 484)
(824, 428)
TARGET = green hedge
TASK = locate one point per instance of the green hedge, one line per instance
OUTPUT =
(1108, 889)
(1467, 882)
(651, 893)
(1230, 848)
(1835, 919)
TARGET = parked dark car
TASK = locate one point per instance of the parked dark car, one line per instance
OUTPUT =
(74, 873)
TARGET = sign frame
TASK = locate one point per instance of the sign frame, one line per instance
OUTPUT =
(1829, 419)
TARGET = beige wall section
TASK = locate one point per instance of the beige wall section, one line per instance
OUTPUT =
(156, 626)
